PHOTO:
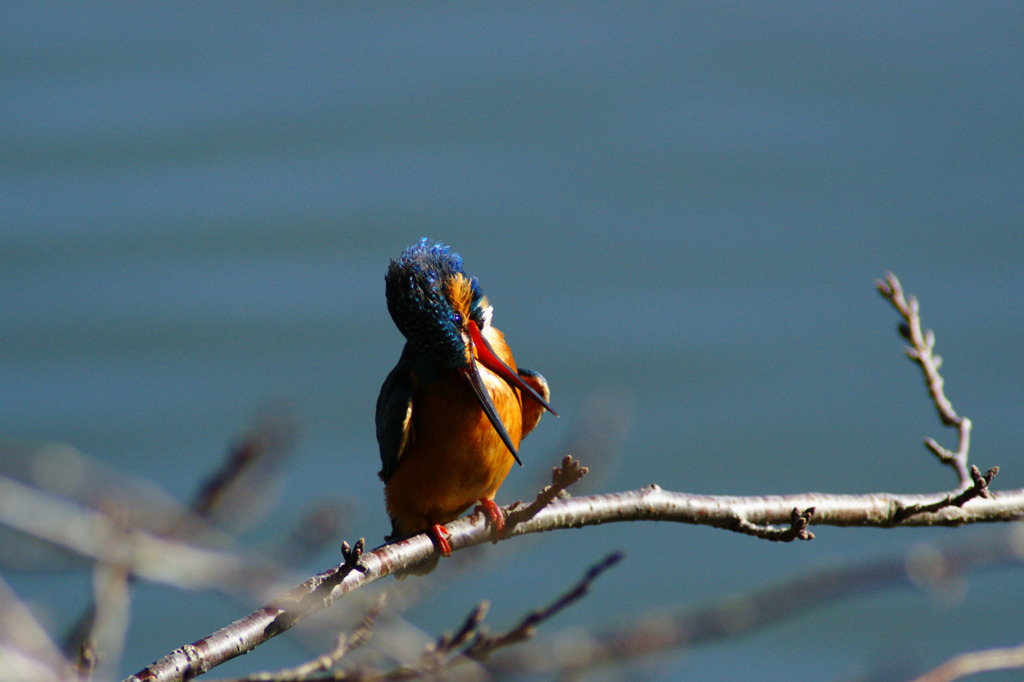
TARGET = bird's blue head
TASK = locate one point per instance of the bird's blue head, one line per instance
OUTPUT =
(444, 315)
(432, 301)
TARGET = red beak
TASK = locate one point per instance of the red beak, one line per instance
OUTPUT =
(489, 359)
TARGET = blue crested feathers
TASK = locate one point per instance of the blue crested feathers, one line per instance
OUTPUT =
(415, 287)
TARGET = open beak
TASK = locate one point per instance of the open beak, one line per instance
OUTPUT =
(489, 359)
(484, 398)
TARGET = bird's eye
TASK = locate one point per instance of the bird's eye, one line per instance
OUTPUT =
(457, 318)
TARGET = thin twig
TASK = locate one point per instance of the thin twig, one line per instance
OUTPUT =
(978, 488)
(484, 645)
(314, 595)
(799, 520)
(561, 478)
(472, 641)
(101, 646)
(442, 653)
(233, 489)
(921, 351)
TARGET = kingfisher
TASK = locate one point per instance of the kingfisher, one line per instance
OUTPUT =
(451, 414)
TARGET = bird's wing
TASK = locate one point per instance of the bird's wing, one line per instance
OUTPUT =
(531, 410)
(394, 417)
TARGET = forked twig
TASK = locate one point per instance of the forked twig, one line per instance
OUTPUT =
(472, 641)
(797, 528)
(978, 488)
(561, 478)
(921, 351)
(525, 629)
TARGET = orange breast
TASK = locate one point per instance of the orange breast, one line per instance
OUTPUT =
(455, 457)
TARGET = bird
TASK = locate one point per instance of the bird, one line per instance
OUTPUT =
(453, 411)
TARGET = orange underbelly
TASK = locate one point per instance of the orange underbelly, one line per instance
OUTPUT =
(455, 457)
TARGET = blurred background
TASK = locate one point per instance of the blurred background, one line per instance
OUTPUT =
(678, 212)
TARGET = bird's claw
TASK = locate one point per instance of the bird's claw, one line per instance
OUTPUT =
(439, 534)
(494, 513)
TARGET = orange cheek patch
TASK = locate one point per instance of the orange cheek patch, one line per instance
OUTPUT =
(460, 294)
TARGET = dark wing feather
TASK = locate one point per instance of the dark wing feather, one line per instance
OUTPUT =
(394, 416)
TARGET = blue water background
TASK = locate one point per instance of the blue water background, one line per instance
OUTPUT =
(676, 208)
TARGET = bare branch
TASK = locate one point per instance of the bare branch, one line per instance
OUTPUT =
(26, 650)
(100, 640)
(921, 348)
(976, 662)
(97, 536)
(235, 492)
(647, 504)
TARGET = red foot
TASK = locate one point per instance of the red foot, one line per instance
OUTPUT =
(439, 533)
(493, 512)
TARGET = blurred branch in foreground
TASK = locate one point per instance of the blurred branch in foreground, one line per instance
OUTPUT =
(925, 567)
(69, 506)
(975, 662)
